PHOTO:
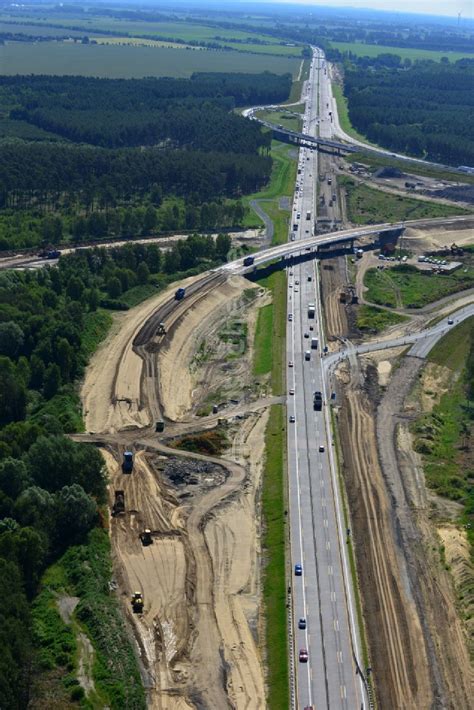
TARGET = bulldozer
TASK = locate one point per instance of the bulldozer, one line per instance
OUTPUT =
(146, 537)
(119, 503)
(137, 602)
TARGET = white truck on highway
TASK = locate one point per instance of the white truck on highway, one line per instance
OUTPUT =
(311, 310)
(314, 343)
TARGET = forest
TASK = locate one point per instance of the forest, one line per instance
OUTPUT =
(424, 109)
(115, 113)
(51, 488)
(130, 157)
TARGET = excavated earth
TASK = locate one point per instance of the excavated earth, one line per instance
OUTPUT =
(197, 639)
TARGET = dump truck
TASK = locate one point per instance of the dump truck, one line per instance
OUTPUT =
(314, 343)
(180, 293)
(127, 463)
(119, 503)
(146, 537)
(137, 602)
(311, 310)
(249, 260)
(318, 401)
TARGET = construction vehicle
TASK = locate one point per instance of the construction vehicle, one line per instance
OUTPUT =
(180, 293)
(119, 503)
(146, 537)
(160, 425)
(248, 261)
(318, 401)
(137, 602)
(127, 463)
(311, 310)
(161, 330)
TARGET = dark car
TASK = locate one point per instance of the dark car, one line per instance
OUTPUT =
(303, 655)
(298, 570)
(302, 623)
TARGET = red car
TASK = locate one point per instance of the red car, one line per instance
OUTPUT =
(303, 655)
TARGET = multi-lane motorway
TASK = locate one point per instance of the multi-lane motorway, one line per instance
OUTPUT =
(323, 617)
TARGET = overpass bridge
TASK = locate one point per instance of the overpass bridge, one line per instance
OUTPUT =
(316, 244)
(304, 140)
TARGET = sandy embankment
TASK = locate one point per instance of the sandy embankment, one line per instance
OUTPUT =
(175, 379)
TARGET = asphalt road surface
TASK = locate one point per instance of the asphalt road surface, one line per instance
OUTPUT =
(322, 595)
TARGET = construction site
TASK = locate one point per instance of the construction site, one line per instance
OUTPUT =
(171, 401)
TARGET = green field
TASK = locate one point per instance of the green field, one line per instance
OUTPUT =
(129, 61)
(284, 118)
(405, 286)
(184, 31)
(373, 50)
(367, 205)
(371, 319)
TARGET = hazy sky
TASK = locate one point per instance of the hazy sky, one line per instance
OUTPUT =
(432, 7)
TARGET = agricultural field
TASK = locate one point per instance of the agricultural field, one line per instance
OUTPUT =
(167, 31)
(131, 61)
(373, 50)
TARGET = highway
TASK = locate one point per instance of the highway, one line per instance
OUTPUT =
(329, 120)
(322, 595)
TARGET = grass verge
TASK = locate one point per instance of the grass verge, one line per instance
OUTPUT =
(343, 114)
(274, 577)
(367, 205)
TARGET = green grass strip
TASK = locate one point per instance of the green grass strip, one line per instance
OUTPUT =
(274, 579)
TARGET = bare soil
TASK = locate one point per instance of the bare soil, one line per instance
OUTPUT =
(197, 638)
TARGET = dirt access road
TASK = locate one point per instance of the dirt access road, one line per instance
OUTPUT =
(417, 648)
(197, 638)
